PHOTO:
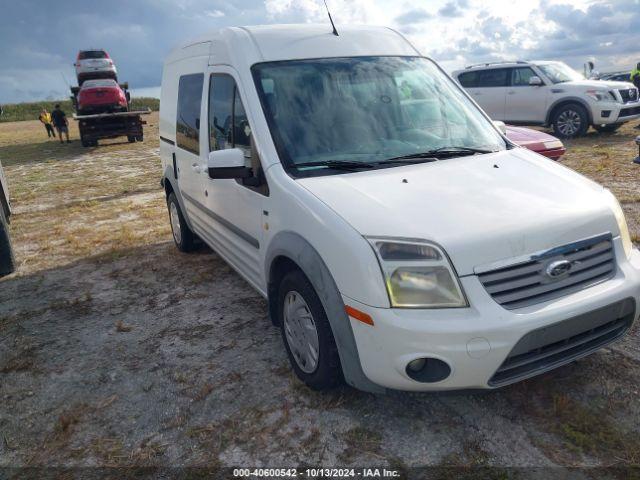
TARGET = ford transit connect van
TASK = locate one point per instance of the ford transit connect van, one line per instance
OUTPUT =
(401, 240)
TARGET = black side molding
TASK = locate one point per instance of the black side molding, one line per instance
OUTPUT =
(175, 166)
(170, 142)
(226, 223)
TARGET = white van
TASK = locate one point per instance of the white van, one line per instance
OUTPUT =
(401, 241)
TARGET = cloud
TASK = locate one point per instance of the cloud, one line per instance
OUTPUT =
(214, 13)
(413, 16)
(451, 9)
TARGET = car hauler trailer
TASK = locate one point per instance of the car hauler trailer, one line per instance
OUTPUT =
(110, 125)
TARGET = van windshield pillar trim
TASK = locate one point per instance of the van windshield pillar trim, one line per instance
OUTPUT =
(226, 223)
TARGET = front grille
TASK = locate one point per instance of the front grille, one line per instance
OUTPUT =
(629, 95)
(526, 283)
(550, 347)
(626, 112)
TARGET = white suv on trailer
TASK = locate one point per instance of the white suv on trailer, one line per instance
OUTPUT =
(550, 94)
(401, 240)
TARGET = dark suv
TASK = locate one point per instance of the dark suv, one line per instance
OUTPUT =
(7, 262)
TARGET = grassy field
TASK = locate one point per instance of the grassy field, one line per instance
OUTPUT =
(118, 350)
(18, 112)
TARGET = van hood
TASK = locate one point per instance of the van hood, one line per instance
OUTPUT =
(480, 209)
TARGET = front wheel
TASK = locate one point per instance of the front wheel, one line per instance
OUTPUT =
(570, 121)
(182, 234)
(307, 334)
(131, 138)
(610, 128)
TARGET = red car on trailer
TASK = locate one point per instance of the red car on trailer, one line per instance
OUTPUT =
(101, 96)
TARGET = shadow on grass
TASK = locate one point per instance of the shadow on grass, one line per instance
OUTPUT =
(41, 152)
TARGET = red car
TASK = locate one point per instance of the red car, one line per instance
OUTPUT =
(101, 96)
(539, 142)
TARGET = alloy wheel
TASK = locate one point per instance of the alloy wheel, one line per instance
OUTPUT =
(569, 122)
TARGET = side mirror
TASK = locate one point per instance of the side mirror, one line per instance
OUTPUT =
(500, 126)
(228, 163)
(535, 81)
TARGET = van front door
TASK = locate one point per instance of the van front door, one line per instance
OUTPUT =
(187, 152)
(235, 209)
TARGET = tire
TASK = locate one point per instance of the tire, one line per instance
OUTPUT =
(140, 138)
(85, 143)
(182, 234)
(131, 138)
(296, 291)
(7, 260)
(570, 121)
(610, 128)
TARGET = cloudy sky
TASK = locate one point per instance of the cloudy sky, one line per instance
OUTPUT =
(40, 38)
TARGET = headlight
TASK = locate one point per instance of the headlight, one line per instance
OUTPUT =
(601, 95)
(627, 245)
(417, 274)
(554, 144)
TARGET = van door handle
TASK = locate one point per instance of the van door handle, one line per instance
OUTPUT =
(196, 167)
(511, 92)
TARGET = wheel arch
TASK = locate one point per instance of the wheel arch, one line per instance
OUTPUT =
(288, 250)
(565, 101)
(170, 185)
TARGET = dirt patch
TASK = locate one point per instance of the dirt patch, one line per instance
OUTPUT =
(117, 350)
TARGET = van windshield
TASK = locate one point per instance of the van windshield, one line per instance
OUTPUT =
(369, 110)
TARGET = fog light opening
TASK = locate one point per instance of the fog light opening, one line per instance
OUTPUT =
(428, 370)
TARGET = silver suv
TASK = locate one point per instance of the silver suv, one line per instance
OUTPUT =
(551, 94)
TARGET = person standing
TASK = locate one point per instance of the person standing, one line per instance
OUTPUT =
(60, 122)
(45, 118)
(635, 79)
(635, 76)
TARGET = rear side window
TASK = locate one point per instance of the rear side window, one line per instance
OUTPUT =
(188, 117)
(468, 79)
(228, 123)
(520, 76)
(496, 77)
(92, 54)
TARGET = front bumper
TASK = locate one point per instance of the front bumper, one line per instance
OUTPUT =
(607, 113)
(475, 341)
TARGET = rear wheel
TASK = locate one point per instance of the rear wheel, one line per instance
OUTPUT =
(131, 138)
(182, 234)
(307, 334)
(570, 121)
(7, 261)
(139, 138)
(610, 128)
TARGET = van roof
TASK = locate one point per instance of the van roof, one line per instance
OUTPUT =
(264, 43)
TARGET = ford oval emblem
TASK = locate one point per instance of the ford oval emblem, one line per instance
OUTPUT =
(558, 268)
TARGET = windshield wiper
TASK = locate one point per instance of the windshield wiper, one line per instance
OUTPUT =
(337, 164)
(459, 150)
(432, 155)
